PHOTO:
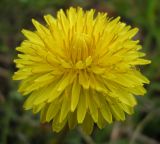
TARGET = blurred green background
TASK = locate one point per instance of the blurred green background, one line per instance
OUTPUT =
(21, 127)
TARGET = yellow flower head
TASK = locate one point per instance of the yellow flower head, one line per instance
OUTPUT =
(80, 69)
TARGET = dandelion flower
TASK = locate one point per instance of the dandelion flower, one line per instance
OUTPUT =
(81, 68)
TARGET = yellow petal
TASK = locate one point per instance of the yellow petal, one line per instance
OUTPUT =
(53, 109)
(126, 108)
(84, 79)
(87, 125)
(82, 108)
(65, 81)
(43, 114)
(117, 112)
(72, 120)
(56, 125)
(101, 121)
(29, 102)
(75, 95)
(93, 107)
(106, 112)
(32, 36)
(65, 108)
(125, 98)
(37, 108)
